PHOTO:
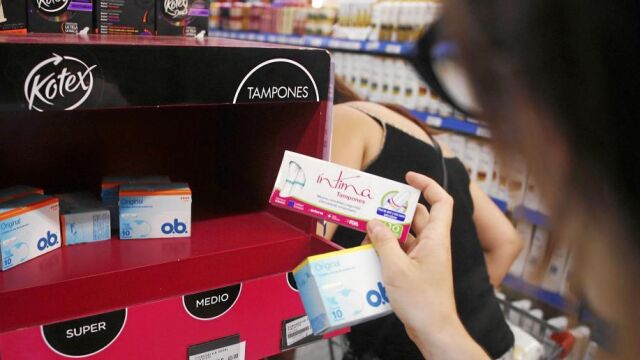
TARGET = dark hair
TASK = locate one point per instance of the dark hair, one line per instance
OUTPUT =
(343, 93)
(579, 61)
(564, 75)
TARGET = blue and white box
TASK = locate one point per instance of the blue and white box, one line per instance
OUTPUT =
(111, 185)
(29, 227)
(18, 191)
(155, 211)
(342, 288)
(83, 219)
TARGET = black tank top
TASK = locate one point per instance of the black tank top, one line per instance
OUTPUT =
(477, 306)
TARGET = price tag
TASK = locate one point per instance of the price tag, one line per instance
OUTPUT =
(483, 132)
(315, 42)
(434, 121)
(393, 49)
(229, 348)
(296, 332)
(372, 45)
(334, 44)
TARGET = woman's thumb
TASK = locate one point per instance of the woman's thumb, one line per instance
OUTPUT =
(385, 243)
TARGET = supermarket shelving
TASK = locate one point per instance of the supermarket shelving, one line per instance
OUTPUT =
(552, 299)
(453, 124)
(502, 205)
(533, 216)
(391, 48)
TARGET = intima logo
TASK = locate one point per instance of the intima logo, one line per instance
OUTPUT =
(377, 297)
(340, 183)
(48, 241)
(177, 227)
(59, 82)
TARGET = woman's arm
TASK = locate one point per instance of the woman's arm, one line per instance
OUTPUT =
(354, 141)
(499, 240)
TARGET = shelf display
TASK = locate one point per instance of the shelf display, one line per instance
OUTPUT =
(139, 117)
(69, 17)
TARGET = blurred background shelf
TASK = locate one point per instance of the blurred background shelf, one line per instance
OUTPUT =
(364, 46)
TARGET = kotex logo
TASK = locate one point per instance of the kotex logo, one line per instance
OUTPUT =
(176, 8)
(377, 297)
(176, 227)
(50, 240)
(59, 82)
(52, 7)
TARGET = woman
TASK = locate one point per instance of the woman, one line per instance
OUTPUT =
(557, 82)
(387, 141)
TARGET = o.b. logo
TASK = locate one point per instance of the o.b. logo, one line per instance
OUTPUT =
(177, 227)
(48, 241)
(52, 7)
(59, 82)
(378, 297)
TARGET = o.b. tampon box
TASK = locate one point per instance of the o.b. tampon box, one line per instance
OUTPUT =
(111, 185)
(342, 288)
(155, 211)
(83, 219)
(29, 227)
(343, 195)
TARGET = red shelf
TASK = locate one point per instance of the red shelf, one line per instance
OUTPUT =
(92, 278)
(95, 39)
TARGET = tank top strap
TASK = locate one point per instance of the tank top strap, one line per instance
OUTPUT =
(436, 145)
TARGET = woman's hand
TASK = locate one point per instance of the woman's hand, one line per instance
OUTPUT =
(419, 283)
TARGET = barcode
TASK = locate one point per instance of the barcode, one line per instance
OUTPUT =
(298, 332)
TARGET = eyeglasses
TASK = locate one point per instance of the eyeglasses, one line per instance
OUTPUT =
(437, 60)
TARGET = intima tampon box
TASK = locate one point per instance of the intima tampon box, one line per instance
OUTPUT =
(155, 211)
(29, 227)
(342, 288)
(83, 219)
(343, 195)
(18, 191)
(111, 186)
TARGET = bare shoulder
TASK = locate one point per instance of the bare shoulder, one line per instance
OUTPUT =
(446, 150)
(352, 121)
(394, 119)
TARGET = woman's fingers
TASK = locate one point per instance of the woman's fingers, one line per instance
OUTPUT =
(409, 243)
(441, 202)
(435, 235)
(420, 219)
(386, 244)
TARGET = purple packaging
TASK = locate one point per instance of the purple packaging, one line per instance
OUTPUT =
(182, 17)
(60, 16)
